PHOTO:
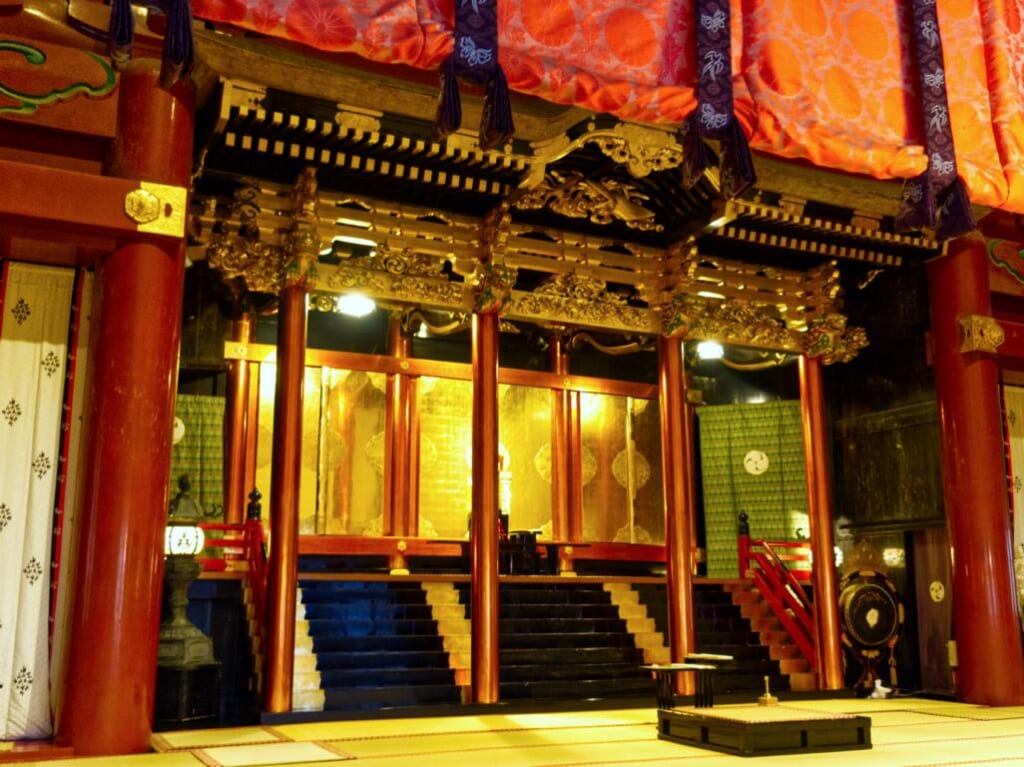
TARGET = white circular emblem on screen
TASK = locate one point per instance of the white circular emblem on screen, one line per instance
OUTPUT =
(755, 462)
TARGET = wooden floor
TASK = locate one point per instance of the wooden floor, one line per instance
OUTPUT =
(909, 732)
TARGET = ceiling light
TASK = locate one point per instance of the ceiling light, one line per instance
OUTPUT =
(355, 305)
(710, 350)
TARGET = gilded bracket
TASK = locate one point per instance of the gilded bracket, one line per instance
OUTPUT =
(979, 333)
(492, 286)
(829, 338)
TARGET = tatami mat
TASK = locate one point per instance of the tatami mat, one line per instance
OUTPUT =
(178, 740)
(270, 754)
(906, 732)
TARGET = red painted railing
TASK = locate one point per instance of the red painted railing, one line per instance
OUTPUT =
(239, 548)
(780, 586)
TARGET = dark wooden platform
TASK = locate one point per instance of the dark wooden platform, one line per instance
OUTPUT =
(751, 730)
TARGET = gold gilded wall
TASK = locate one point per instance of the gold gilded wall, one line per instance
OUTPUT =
(446, 437)
(621, 457)
(524, 431)
(351, 451)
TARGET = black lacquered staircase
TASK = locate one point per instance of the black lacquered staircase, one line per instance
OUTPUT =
(565, 641)
(721, 628)
(376, 645)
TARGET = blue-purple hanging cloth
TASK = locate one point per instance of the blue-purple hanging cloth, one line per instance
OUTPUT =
(937, 197)
(121, 33)
(475, 59)
(714, 117)
(179, 48)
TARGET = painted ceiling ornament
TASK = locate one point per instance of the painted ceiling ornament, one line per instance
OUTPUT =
(475, 59)
(936, 198)
(828, 337)
(179, 46)
(492, 287)
(714, 117)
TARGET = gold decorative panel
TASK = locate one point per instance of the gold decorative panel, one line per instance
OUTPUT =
(622, 496)
(351, 453)
(524, 428)
(446, 439)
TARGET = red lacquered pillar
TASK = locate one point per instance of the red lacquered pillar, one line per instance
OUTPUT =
(680, 502)
(560, 414)
(396, 446)
(484, 538)
(285, 467)
(819, 508)
(109, 688)
(236, 416)
(286, 460)
(991, 668)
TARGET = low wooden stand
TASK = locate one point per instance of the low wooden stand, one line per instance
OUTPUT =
(751, 730)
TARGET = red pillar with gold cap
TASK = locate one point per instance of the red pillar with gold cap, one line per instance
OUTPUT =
(397, 475)
(115, 619)
(286, 461)
(492, 287)
(965, 338)
(680, 502)
(817, 461)
(236, 424)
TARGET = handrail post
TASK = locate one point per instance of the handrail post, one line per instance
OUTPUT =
(743, 543)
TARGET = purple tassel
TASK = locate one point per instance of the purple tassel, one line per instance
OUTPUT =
(955, 216)
(179, 50)
(496, 126)
(917, 205)
(122, 30)
(449, 108)
(696, 157)
(737, 164)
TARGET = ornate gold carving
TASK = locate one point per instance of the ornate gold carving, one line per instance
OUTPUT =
(257, 264)
(601, 202)
(492, 286)
(157, 208)
(495, 230)
(641, 149)
(979, 333)
(404, 261)
(242, 256)
(731, 322)
(355, 118)
(829, 338)
(579, 299)
(380, 284)
(303, 243)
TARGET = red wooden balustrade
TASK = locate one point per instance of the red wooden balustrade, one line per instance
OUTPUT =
(780, 586)
(239, 548)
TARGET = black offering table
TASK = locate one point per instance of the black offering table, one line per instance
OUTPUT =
(753, 730)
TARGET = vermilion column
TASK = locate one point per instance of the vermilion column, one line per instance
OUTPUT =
(285, 468)
(286, 460)
(819, 508)
(991, 668)
(484, 539)
(680, 502)
(109, 689)
(236, 417)
(559, 364)
(396, 446)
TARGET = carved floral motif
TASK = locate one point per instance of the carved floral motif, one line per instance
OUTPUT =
(491, 287)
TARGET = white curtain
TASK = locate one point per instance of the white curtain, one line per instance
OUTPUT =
(34, 334)
(1013, 407)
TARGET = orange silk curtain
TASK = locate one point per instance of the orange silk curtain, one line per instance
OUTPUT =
(827, 81)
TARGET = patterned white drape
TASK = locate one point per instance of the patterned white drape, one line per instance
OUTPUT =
(36, 308)
(1013, 406)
